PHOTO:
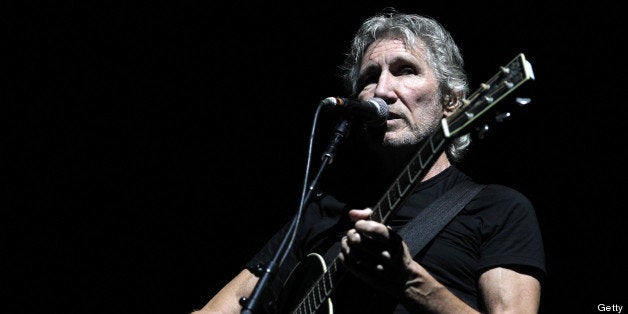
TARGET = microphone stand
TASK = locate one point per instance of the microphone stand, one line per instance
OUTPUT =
(249, 305)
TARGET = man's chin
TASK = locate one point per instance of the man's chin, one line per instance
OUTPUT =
(393, 139)
(386, 139)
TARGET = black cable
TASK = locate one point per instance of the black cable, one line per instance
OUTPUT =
(286, 245)
(294, 227)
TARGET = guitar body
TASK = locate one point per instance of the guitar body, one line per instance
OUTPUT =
(298, 284)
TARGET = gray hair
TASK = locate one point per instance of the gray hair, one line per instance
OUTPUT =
(443, 56)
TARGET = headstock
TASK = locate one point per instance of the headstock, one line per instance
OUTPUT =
(474, 108)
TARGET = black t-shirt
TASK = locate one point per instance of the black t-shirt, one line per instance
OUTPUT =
(497, 228)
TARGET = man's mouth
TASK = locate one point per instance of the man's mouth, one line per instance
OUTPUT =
(393, 116)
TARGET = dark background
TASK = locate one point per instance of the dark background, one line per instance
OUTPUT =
(152, 147)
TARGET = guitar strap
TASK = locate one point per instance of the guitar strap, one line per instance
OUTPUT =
(419, 231)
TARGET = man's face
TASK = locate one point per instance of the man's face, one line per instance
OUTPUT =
(402, 77)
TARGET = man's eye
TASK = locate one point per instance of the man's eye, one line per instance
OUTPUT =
(406, 71)
(366, 80)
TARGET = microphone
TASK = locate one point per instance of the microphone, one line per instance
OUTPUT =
(374, 112)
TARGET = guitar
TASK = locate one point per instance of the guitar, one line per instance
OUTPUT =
(311, 282)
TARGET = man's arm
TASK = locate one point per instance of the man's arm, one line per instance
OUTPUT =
(507, 291)
(423, 293)
(383, 260)
(227, 299)
(372, 253)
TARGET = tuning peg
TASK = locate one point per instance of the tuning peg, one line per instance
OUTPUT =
(522, 101)
(502, 117)
(259, 269)
(482, 131)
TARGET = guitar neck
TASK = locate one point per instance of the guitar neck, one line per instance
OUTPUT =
(321, 291)
(385, 208)
(413, 173)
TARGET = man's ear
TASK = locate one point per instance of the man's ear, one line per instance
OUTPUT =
(451, 102)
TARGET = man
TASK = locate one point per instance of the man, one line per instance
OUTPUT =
(488, 258)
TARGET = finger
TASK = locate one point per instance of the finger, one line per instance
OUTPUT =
(372, 229)
(349, 256)
(364, 248)
(365, 241)
(377, 237)
(367, 248)
(377, 271)
(381, 258)
(344, 249)
(360, 214)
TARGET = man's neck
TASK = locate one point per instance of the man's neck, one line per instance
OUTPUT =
(439, 166)
(394, 162)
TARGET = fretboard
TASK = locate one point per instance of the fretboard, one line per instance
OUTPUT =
(385, 208)
(401, 188)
